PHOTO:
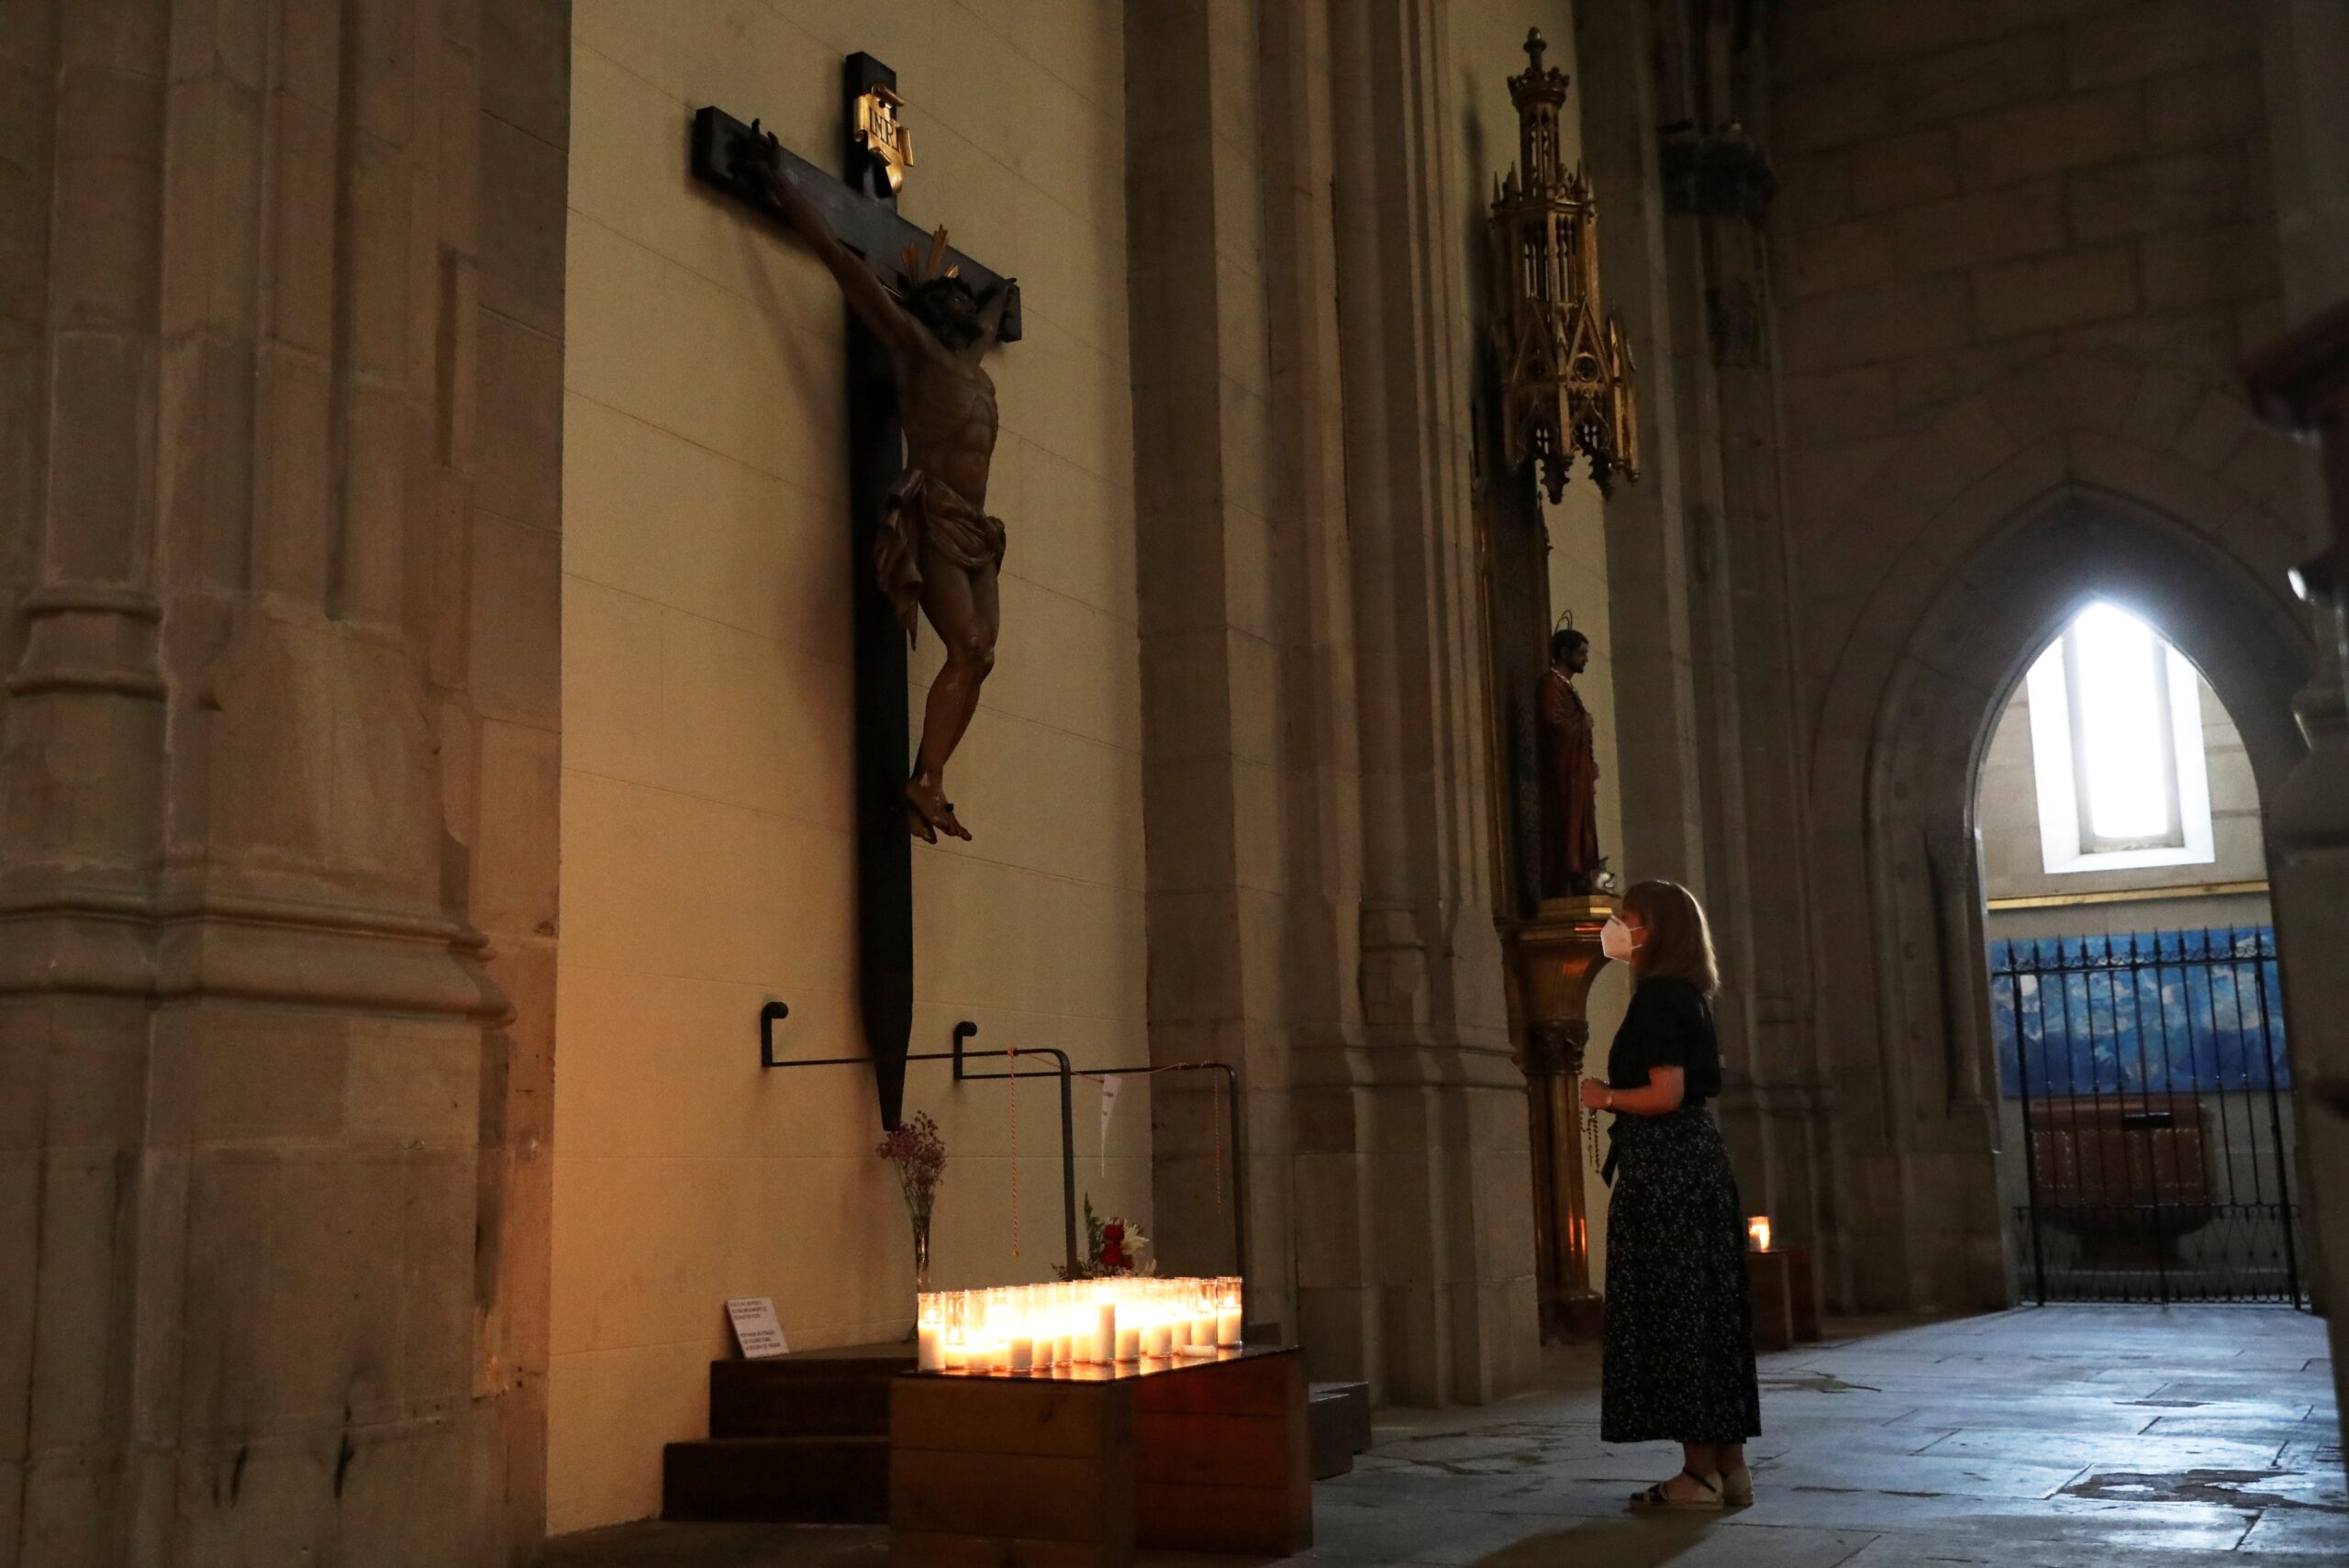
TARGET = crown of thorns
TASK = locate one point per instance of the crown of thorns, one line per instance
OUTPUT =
(920, 270)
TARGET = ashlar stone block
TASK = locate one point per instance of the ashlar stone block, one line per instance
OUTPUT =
(2196, 267)
(2032, 139)
(1982, 227)
(2204, 105)
(2152, 36)
(2159, 194)
(1902, 170)
(2018, 68)
(1909, 316)
(2059, 291)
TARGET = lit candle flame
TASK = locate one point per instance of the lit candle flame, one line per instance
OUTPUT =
(1757, 1230)
(1033, 1329)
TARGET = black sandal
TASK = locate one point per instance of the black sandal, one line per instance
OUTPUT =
(1657, 1497)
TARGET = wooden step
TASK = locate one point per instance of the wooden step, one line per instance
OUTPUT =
(810, 1480)
(1337, 1418)
(784, 1398)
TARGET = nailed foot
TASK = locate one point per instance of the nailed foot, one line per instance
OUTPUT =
(928, 812)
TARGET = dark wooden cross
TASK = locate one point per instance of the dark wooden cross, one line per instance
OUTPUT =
(861, 206)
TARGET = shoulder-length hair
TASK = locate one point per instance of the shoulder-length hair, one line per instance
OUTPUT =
(1678, 944)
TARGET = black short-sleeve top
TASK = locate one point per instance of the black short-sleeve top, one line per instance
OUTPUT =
(1669, 1024)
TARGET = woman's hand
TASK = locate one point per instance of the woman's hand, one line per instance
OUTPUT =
(1596, 1094)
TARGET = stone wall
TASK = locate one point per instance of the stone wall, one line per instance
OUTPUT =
(1317, 796)
(280, 367)
(707, 826)
(2021, 248)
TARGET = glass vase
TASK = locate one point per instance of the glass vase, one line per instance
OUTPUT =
(921, 1217)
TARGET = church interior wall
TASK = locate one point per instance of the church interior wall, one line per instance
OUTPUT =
(2021, 250)
(705, 830)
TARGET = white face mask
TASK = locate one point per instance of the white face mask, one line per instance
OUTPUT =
(1616, 942)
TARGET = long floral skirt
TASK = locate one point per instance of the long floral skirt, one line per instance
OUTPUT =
(1679, 1361)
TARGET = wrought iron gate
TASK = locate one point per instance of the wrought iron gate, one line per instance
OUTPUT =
(2144, 1078)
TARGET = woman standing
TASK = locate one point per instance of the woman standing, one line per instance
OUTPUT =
(1679, 1352)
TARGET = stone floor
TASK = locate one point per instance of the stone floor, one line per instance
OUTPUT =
(2118, 1437)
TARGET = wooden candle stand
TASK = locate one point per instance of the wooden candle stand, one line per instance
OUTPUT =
(1784, 1287)
(1077, 1467)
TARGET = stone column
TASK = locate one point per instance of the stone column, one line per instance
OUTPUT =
(2299, 384)
(1424, 1121)
(1313, 745)
(1699, 571)
(1647, 526)
(276, 751)
(1214, 626)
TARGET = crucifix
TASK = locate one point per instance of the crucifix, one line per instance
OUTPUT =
(921, 436)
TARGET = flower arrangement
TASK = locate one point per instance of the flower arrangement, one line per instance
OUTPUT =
(919, 1155)
(1113, 1250)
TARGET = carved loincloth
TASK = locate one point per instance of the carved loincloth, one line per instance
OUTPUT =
(917, 512)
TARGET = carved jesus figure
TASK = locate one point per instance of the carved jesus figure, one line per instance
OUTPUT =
(937, 550)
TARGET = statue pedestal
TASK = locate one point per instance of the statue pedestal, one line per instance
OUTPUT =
(1553, 958)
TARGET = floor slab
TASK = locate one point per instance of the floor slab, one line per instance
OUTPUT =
(2124, 1437)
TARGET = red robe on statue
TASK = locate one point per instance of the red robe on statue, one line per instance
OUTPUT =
(1570, 860)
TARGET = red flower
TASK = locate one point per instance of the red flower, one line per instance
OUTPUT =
(1113, 1246)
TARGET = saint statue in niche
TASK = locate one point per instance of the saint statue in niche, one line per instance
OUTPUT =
(1572, 866)
(938, 551)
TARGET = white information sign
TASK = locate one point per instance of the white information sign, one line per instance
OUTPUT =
(756, 1329)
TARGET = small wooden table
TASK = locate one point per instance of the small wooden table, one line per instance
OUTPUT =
(1075, 1467)
(1786, 1297)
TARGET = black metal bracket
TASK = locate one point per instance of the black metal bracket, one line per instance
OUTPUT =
(767, 1058)
(958, 1055)
(771, 1014)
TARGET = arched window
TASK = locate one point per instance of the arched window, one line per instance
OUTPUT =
(2116, 745)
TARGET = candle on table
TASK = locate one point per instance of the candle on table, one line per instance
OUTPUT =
(1023, 1353)
(1180, 1331)
(1159, 1340)
(1128, 1343)
(932, 1356)
(1228, 1326)
(1105, 1334)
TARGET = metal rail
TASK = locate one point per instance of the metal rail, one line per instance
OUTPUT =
(774, 1013)
(2145, 1068)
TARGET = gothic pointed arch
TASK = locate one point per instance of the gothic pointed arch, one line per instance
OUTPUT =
(2074, 477)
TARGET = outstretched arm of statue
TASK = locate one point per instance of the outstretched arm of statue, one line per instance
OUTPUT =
(863, 291)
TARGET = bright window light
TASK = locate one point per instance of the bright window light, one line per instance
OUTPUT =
(2116, 743)
(2121, 706)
